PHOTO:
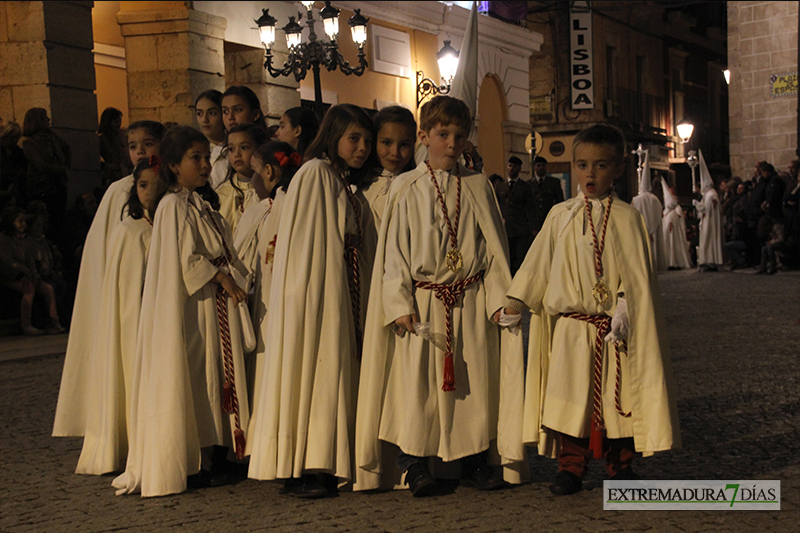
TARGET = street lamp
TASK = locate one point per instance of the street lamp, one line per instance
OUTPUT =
(310, 55)
(685, 129)
(447, 58)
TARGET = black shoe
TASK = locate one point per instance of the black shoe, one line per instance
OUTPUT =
(476, 473)
(330, 483)
(200, 480)
(566, 483)
(626, 474)
(307, 487)
(420, 481)
(761, 271)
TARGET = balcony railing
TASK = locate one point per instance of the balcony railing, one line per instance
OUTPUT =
(642, 112)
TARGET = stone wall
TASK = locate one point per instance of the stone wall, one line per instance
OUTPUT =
(46, 61)
(762, 41)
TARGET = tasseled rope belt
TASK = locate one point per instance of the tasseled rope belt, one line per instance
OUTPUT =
(230, 401)
(603, 325)
(352, 243)
(448, 294)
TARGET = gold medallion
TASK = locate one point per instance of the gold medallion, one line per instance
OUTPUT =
(600, 292)
(453, 260)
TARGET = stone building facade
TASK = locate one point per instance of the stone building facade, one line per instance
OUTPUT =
(763, 44)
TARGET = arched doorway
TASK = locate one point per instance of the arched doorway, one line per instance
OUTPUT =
(492, 112)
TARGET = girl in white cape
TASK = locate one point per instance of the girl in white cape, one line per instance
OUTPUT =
(188, 383)
(305, 420)
(144, 140)
(105, 445)
(273, 164)
(236, 193)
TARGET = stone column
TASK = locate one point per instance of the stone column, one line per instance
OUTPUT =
(172, 56)
(46, 61)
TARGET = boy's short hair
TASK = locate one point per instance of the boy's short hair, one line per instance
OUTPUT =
(603, 134)
(445, 110)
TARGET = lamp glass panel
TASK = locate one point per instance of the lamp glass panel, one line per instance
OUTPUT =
(448, 65)
(331, 27)
(359, 34)
(293, 39)
(308, 5)
(267, 35)
(685, 131)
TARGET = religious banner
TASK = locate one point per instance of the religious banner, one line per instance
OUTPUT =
(581, 62)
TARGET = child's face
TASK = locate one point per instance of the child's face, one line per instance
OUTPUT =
(240, 151)
(236, 110)
(355, 146)
(144, 187)
(287, 133)
(195, 167)
(596, 169)
(395, 146)
(21, 223)
(141, 145)
(209, 118)
(265, 177)
(445, 145)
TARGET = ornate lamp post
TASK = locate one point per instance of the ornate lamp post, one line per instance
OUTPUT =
(447, 58)
(314, 53)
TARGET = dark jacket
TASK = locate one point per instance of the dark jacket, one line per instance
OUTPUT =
(546, 195)
(516, 206)
(48, 160)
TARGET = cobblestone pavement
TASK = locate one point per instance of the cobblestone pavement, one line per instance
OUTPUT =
(734, 340)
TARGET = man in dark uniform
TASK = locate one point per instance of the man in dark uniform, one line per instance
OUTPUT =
(516, 203)
(547, 192)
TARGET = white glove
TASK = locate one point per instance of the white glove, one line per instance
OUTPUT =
(695, 202)
(619, 323)
(510, 321)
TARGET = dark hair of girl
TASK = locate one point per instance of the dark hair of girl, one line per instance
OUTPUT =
(266, 153)
(212, 95)
(10, 214)
(333, 127)
(136, 209)
(156, 129)
(257, 135)
(35, 121)
(109, 115)
(309, 126)
(176, 142)
(396, 114)
(247, 94)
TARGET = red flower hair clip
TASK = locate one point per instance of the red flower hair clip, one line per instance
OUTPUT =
(155, 163)
(284, 160)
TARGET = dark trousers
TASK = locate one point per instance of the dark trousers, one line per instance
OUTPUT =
(575, 454)
(517, 250)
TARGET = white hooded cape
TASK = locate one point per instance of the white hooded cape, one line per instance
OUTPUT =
(73, 397)
(177, 393)
(556, 277)
(305, 416)
(709, 246)
(495, 393)
(113, 353)
(648, 205)
(674, 226)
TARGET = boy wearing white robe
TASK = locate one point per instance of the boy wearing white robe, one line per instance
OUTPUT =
(709, 246)
(588, 279)
(408, 396)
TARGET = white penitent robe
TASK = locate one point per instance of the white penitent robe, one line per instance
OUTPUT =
(557, 276)
(177, 392)
(649, 206)
(73, 397)
(677, 246)
(709, 247)
(401, 400)
(219, 165)
(375, 195)
(113, 353)
(235, 196)
(255, 241)
(306, 412)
